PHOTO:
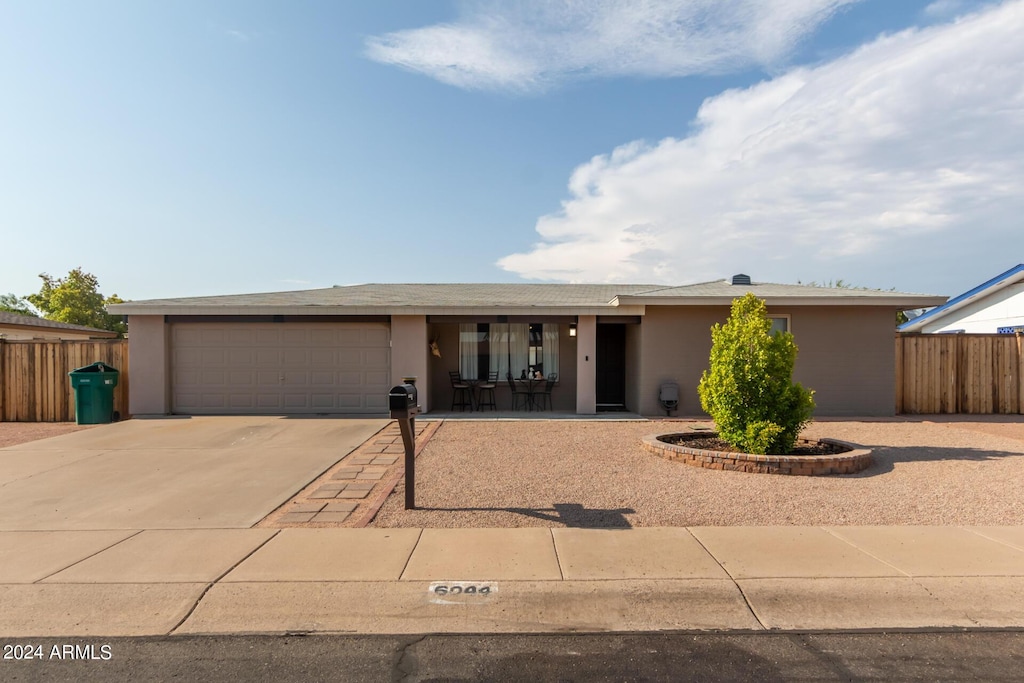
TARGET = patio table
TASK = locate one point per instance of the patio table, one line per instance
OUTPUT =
(531, 388)
(473, 385)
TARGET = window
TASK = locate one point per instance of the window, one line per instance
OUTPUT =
(780, 323)
(507, 347)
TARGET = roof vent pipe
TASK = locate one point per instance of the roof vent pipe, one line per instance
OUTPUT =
(741, 279)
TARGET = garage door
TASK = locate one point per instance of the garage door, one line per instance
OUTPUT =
(280, 368)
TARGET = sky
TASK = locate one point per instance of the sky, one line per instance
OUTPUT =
(203, 147)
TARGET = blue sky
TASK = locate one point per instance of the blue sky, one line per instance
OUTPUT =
(194, 147)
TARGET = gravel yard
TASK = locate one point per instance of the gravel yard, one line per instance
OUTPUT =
(958, 470)
(13, 433)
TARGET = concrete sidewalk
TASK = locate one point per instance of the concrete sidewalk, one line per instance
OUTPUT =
(203, 581)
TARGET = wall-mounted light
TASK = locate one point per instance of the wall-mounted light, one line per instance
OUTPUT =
(572, 329)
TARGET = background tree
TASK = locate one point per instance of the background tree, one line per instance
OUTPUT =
(76, 299)
(748, 389)
(13, 303)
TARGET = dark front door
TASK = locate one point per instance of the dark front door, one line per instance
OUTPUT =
(611, 367)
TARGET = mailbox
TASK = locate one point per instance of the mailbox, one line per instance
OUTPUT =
(402, 398)
(402, 401)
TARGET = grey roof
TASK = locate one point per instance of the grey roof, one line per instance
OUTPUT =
(720, 291)
(418, 295)
(408, 298)
(7, 318)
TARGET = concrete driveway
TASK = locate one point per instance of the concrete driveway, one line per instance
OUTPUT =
(171, 473)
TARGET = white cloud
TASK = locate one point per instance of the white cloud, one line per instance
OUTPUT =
(533, 44)
(916, 135)
(945, 9)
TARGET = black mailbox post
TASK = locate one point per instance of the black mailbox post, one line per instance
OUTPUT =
(402, 402)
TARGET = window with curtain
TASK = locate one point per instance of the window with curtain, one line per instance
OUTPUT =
(780, 323)
(507, 347)
(469, 350)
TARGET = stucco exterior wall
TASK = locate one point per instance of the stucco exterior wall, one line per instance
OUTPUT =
(409, 352)
(148, 349)
(674, 344)
(563, 396)
(586, 364)
(845, 355)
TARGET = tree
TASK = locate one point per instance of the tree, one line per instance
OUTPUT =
(76, 299)
(13, 303)
(748, 389)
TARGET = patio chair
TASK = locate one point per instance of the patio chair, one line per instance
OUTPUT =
(543, 397)
(485, 392)
(517, 393)
(460, 391)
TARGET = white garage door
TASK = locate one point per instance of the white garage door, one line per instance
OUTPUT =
(280, 368)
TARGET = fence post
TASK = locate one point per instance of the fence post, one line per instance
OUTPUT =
(3, 382)
(899, 374)
(1020, 372)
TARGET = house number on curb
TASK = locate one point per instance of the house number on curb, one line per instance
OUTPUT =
(459, 592)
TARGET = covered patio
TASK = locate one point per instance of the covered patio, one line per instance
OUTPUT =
(485, 351)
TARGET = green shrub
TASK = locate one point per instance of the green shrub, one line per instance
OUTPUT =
(748, 390)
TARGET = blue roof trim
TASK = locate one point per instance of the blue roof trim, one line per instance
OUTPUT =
(939, 310)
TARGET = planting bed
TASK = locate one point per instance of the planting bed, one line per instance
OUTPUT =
(704, 449)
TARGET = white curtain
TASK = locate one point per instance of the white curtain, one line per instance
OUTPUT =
(498, 336)
(519, 343)
(550, 349)
(468, 347)
(509, 342)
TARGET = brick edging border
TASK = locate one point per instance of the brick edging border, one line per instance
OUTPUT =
(856, 460)
(389, 485)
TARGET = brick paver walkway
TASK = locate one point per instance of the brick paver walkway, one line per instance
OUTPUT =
(350, 492)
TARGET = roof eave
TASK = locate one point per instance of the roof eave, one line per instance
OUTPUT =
(130, 310)
(897, 302)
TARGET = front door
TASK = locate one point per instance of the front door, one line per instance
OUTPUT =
(611, 367)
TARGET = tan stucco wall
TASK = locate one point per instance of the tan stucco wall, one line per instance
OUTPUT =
(586, 374)
(845, 355)
(148, 349)
(409, 354)
(563, 396)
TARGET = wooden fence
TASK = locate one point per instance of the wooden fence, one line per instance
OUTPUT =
(960, 373)
(34, 383)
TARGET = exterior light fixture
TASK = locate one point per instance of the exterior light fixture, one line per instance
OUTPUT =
(572, 329)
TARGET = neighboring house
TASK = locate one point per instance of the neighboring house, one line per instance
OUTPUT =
(994, 307)
(16, 327)
(339, 350)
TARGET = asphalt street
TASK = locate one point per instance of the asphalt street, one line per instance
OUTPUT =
(898, 656)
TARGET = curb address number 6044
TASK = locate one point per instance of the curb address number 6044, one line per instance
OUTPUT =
(461, 589)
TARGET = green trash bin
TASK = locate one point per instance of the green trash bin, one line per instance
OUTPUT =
(94, 393)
